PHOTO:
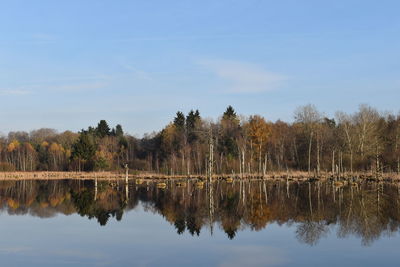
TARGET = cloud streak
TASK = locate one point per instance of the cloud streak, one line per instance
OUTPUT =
(242, 77)
(14, 92)
(79, 87)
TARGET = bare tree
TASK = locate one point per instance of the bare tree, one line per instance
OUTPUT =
(348, 131)
(309, 117)
(366, 122)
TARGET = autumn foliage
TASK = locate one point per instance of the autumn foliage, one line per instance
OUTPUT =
(366, 140)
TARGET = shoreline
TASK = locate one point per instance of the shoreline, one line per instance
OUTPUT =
(292, 176)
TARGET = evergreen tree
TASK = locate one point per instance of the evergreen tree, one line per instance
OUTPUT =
(180, 138)
(118, 131)
(179, 120)
(103, 129)
(84, 149)
(192, 120)
(229, 114)
(229, 132)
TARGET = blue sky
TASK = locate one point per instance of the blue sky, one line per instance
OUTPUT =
(68, 64)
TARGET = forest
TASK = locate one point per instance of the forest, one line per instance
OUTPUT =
(366, 141)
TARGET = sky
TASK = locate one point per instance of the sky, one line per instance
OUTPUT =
(68, 64)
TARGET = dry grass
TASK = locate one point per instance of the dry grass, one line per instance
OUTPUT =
(293, 175)
(58, 175)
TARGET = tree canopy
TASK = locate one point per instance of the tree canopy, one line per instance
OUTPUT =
(364, 140)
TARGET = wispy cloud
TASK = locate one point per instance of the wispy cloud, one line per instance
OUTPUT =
(14, 92)
(78, 87)
(135, 71)
(243, 77)
(188, 37)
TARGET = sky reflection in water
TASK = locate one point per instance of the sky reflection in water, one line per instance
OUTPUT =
(254, 224)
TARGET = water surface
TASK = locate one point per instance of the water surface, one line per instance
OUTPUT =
(148, 223)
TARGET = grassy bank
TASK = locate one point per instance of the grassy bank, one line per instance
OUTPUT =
(296, 175)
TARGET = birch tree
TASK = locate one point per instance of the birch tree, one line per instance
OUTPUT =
(308, 116)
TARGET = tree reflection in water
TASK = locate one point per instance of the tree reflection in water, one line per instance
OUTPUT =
(367, 210)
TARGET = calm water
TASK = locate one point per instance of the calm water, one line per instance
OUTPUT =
(84, 223)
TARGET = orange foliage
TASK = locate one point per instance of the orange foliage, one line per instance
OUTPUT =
(44, 144)
(13, 146)
(258, 129)
(13, 203)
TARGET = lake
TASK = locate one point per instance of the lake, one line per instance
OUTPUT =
(190, 223)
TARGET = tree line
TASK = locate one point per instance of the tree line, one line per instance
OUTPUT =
(366, 140)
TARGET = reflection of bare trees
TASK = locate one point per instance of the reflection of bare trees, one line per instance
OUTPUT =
(367, 211)
(311, 232)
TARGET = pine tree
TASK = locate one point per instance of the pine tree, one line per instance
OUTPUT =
(192, 120)
(118, 130)
(229, 114)
(103, 129)
(179, 120)
(84, 149)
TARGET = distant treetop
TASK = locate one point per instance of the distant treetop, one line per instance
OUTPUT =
(103, 129)
(229, 114)
(179, 120)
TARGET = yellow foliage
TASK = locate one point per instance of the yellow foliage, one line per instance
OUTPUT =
(44, 144)
(103, 154)
(258, 129)
(44, 204)
(54, 200)
(13, 203)
(170, 130)
(169, 213)
(54, 148)
(68, 153)
(13, 146)
(161, 185)
(29, 201)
